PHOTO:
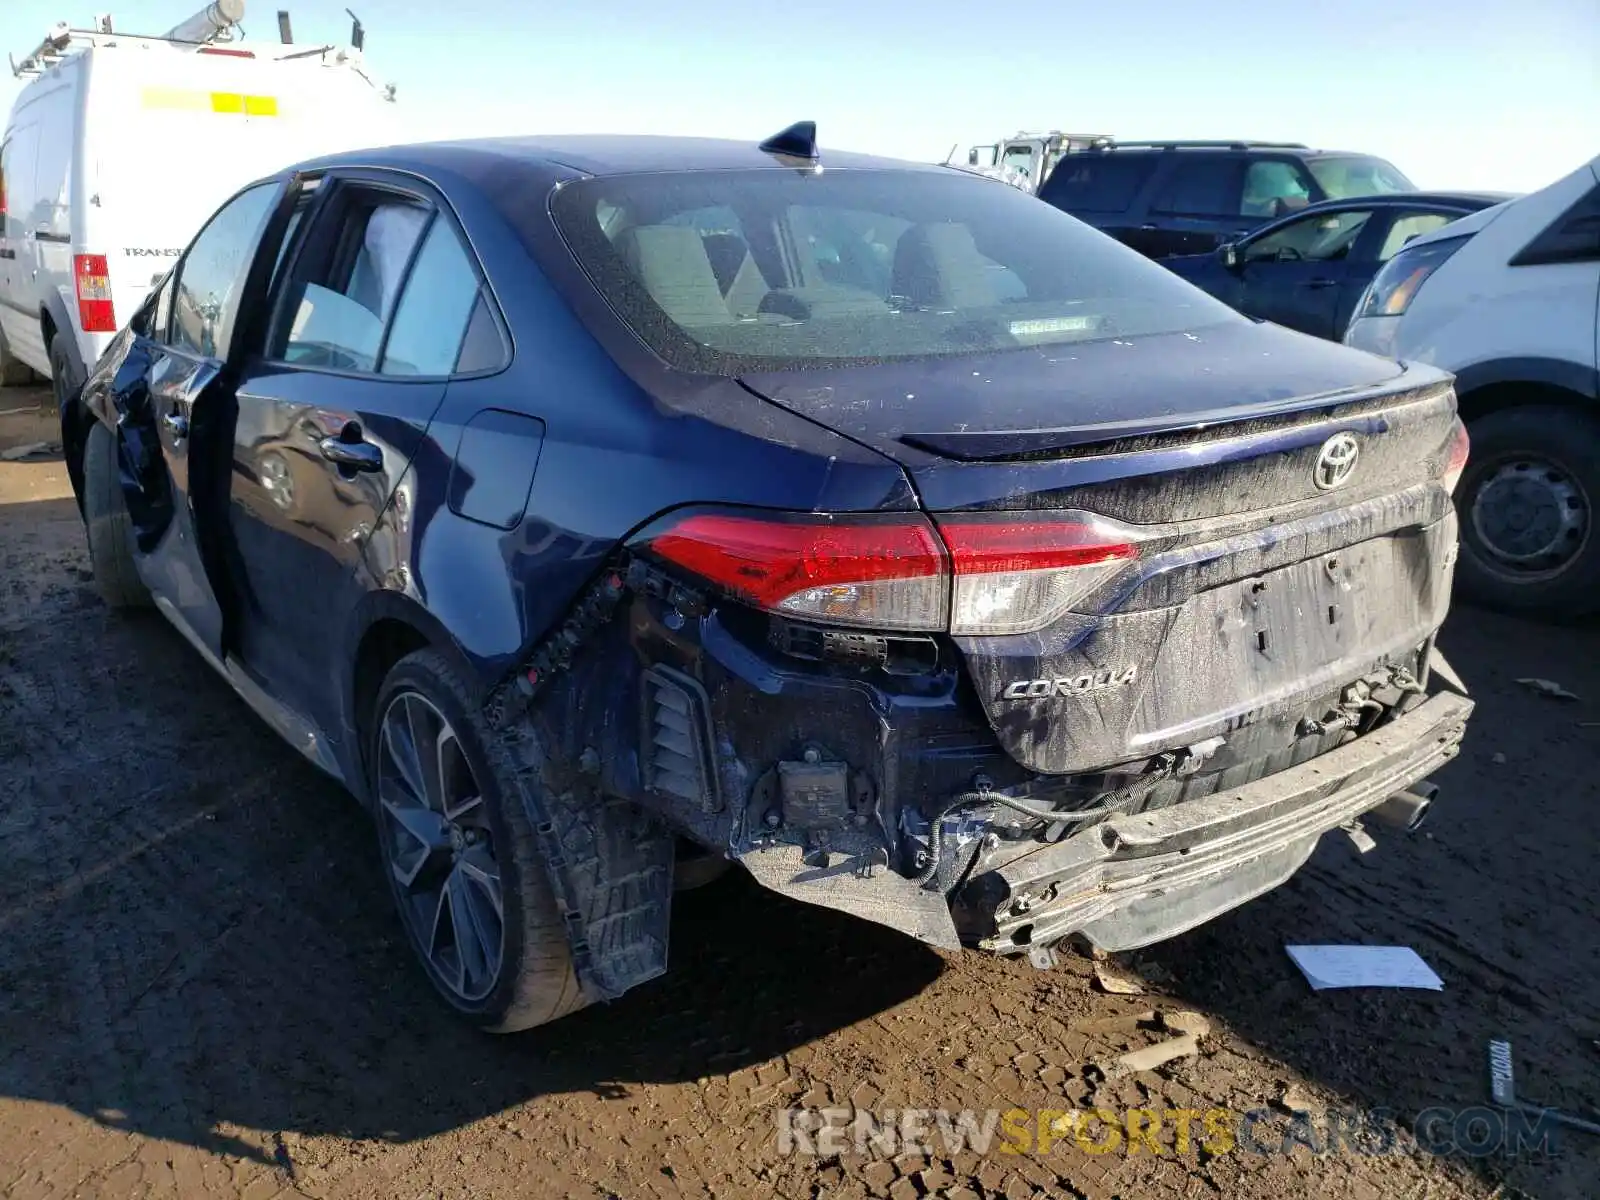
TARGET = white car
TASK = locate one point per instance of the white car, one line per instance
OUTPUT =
(1508, 299)
(120, 145)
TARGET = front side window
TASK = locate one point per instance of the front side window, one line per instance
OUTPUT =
(1411, 225)
(1358, 175)
(205, 302)
(1200, 185)
(847, 266)
(1326, 237)
(1274, 187)
(1019, 157)
(341, 302)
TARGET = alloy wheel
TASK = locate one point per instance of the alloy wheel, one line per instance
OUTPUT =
(439, 847)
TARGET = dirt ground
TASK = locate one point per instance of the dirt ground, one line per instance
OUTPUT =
(203, 991)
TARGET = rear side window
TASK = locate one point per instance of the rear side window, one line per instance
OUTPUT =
(850, 266)
(1574, 236)
(206, 299)
(431, 319)
(1201, 185)
(1409, 226)
(1097, 182)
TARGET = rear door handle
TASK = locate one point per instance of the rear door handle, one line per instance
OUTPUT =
(353, 456)
(1320, 283)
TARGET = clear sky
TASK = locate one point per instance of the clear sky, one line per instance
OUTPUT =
(1498, 94)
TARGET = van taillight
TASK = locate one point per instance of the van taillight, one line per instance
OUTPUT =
(94, 293)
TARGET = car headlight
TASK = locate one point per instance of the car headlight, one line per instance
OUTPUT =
(1396, 285)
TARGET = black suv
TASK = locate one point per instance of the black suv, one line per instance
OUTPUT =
(1165, 198)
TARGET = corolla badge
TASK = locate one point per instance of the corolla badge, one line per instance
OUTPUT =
(1102, 680)
(1336, 461)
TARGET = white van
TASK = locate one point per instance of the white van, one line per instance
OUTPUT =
(120, 146)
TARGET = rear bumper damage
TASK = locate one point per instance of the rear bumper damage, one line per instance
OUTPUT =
(1135, 879)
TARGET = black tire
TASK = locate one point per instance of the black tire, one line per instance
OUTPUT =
(105, 514)
(1536, 438)
(63, 376)
(536, 981)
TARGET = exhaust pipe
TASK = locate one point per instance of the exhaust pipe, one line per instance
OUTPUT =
(1408, 809)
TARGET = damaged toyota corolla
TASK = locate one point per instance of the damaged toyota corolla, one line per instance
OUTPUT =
(603, 510)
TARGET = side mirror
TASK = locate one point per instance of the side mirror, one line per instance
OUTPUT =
(1229, 254)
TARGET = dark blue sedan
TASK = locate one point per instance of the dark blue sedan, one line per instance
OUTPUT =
(604, 511)
(1306, 271)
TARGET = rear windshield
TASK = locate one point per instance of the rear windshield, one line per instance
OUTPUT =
(1358, 175)
(727, 272)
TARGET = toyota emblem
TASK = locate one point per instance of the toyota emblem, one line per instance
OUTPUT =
(1336, 461)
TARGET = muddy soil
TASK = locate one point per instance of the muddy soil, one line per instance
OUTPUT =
(203, 991)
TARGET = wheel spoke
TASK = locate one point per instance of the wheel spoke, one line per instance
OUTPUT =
(473, 942)
(426, 728)
(402, 752)
(465, 807)
(478, 866)
(414, 865)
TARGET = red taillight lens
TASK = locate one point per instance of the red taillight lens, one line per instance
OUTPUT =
(883, 573)
(1017, 576)
(94, 293)
(1460, 448)
(997, 574)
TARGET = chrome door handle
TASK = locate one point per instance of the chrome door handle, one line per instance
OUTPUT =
(354, 456)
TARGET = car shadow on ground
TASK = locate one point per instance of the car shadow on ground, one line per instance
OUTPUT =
(196, 943)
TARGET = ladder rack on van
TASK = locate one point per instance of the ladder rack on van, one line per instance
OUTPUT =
(206, 32)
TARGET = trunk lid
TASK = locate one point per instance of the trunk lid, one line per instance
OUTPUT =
(1271, 566)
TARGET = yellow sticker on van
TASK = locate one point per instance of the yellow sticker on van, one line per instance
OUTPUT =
(217, 102)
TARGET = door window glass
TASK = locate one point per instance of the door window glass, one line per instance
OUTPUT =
(342, 302)
(1020, 158)
(1326, 237)
(206, 300)
(1411, 225)
(1097, 182)
(1201, 186)
(431, 318)
(1274, 187)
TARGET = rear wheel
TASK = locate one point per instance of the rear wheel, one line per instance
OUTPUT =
(1526, 500)
(110, 531)
(462, 859)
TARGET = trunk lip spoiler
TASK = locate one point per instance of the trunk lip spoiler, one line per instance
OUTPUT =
(1019, 446)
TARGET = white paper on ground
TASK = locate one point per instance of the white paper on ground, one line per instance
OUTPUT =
(1363, 966)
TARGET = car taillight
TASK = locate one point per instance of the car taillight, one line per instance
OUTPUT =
(94, 293)
(998, 574)
(884, 573)
(1017, 575)
(1460, 448)
(1396, 285)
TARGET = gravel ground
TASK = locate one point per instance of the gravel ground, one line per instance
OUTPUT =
(203, 991)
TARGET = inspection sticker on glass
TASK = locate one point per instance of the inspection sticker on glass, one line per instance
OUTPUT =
(1363, 966)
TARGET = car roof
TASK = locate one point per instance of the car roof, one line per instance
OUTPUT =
(601, 154)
